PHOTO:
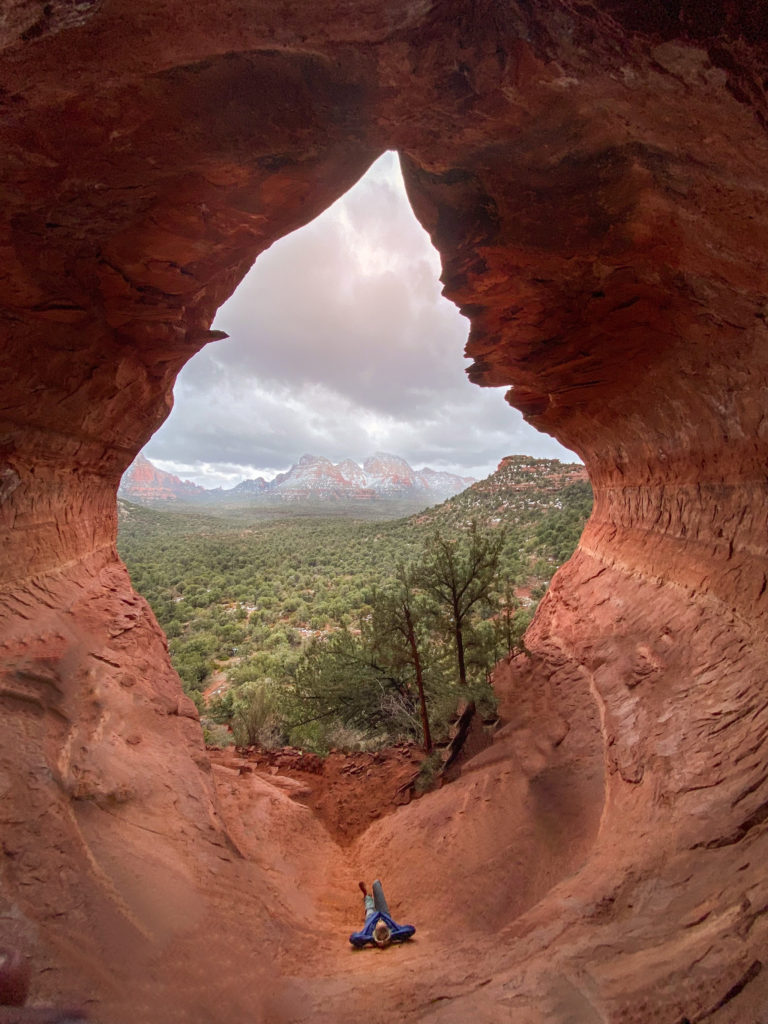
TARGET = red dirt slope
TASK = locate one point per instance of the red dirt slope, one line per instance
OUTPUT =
(346, 791)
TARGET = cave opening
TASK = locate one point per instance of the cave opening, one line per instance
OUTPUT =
(338, 343)
(542, 808)
(338, 338)
(593, 183)
(548, 797)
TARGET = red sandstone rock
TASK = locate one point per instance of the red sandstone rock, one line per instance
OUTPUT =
(144, 482)
(593, 175)
(14, 978)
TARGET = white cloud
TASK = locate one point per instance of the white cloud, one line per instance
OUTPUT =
(341, 344)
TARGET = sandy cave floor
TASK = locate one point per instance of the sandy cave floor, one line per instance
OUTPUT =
(250, 920)
(269, 938)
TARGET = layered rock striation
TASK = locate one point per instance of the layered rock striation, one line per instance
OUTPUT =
(593, 176)
(144, 482)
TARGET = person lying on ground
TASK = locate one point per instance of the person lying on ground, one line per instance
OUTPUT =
(379, 928)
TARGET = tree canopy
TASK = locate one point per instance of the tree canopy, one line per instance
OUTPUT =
(459, 573)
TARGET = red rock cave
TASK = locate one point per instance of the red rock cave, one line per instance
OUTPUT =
(593, 175)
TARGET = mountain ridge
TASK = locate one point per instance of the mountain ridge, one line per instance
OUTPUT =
(312, 479)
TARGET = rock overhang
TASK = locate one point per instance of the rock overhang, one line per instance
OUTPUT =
(593, 178)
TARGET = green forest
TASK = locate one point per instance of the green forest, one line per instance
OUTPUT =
(294, 625)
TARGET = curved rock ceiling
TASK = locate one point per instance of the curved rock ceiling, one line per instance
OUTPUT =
(593, 174)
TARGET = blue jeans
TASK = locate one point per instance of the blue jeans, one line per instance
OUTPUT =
(376, 903)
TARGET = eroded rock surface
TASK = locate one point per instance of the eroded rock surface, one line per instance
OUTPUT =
(594, 177)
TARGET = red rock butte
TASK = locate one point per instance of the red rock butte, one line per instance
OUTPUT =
(594, 177)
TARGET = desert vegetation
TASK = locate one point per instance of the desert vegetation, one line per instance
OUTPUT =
(338, 632)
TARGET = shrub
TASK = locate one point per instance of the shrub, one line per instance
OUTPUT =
(256, 717)
(428, 772)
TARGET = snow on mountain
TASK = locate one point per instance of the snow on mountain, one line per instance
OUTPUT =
(381, 476)
(254, 486)
(448, 483)
(313, 478)
(143, 482)
(390, 475)
(353, 474)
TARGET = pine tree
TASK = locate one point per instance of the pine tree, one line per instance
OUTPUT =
(459, 575)
(394, 635)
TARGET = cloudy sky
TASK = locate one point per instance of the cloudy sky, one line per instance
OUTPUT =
(341, 345)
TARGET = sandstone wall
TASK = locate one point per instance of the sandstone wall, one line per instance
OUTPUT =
(593, 175)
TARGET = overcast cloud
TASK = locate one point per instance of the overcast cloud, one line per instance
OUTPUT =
(341, 345)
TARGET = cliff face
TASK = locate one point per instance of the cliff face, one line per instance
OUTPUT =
(144, 482)
(593, 177)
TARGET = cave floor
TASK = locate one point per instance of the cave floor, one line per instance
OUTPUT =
(258, 928)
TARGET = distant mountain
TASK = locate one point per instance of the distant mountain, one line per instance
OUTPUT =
(318, 479)
(382, 476)
(144, 483)
(312, 480)
(245, 487)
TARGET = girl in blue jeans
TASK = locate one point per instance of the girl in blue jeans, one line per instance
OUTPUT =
(379, 928)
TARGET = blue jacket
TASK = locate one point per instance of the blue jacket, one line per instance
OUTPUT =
(398, 932)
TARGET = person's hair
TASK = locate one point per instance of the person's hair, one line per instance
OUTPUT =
(381, 933)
